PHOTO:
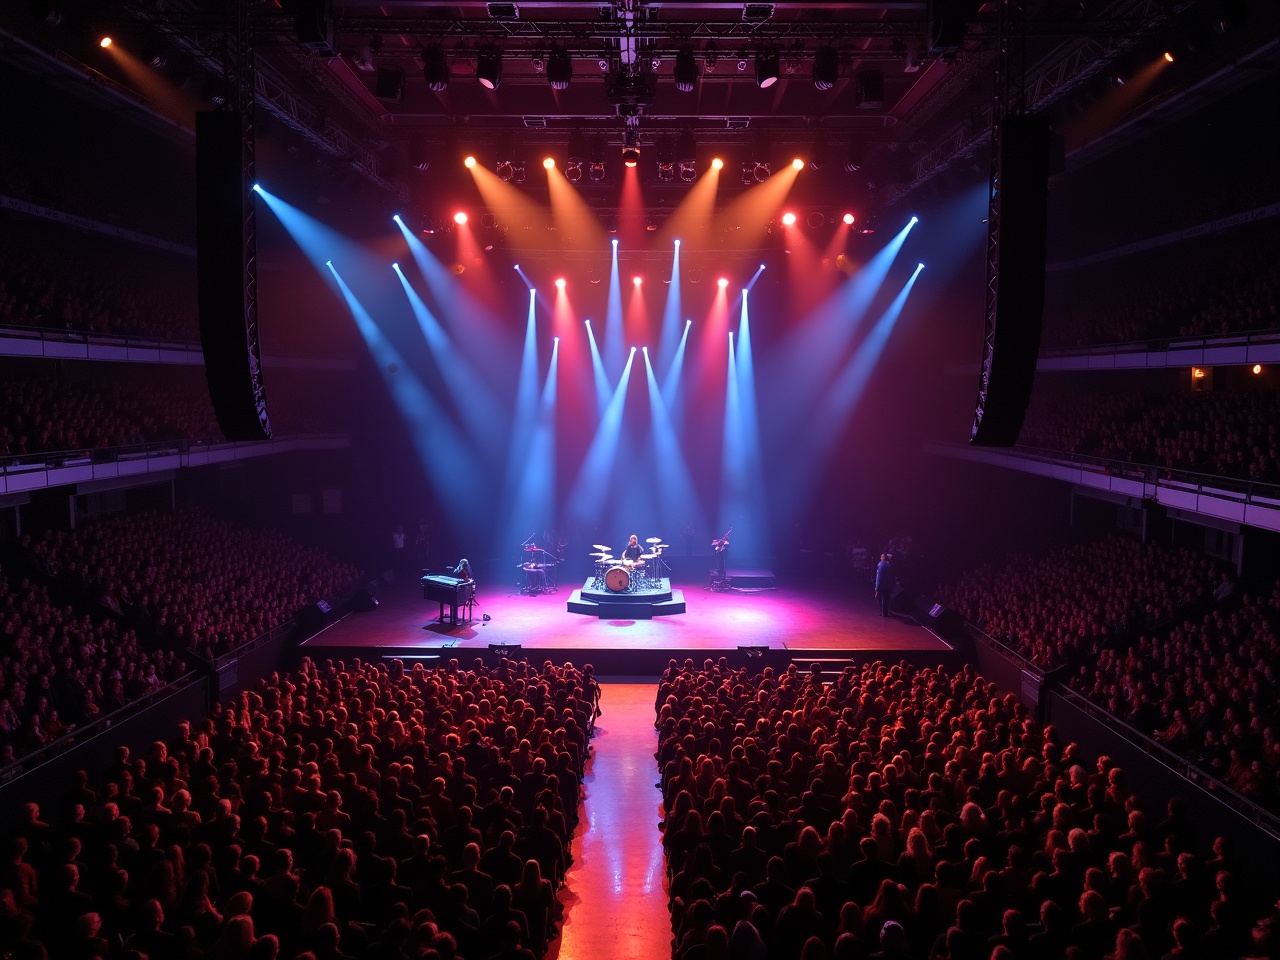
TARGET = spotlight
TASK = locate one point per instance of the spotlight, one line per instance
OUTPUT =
(666, 171)
(766, 69)
(919, 266)
(460, 218)
(761, 171)
(106, 42)
(848, 219)
(637, 280)
(1257, 368)
(826, 67)
(596, 170)
(630, 156)
(506, 171)
(722, 283)
(688, 171)
(396, 218)
(915, 219)
(469, 162)
(1168, 57)
(788, 219)
(435, 67)
(717, 163)
(573, 171)
(549, 163)
(559, 68)
(686, 70)
(560, 284)
(395, 266)
(489, 66)
(257, 189)
(797, 164)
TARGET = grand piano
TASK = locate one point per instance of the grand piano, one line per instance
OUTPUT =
(450, 591)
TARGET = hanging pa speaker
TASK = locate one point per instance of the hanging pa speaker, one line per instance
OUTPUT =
(1013, 343)
(223, 265)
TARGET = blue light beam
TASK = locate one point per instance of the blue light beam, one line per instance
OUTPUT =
(592, 484)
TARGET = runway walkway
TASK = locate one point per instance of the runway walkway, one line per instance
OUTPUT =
(615, 893)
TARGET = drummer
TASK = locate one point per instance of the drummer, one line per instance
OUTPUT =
(633, 550)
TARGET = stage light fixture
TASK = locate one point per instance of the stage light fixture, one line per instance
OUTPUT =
(688, 171)
(788, 219)
(505, 170)
(560, 283)
(469, 161)
(761, 170)
(630, 148)
(559, 68)
(767, 69)
(1257, 368)
(256, 188)
(489, 66)
(797, 164)
(549, 163)
(717, 163)
(826, 67)
(666, 171)
(105, 42)
(748, 176)
(686, 70)
(435, 67)
(573, 171)
(460, 218)
(596, 170)
(722, 283)
(847, 219)
(1168, 57)
(637, 280)
(815, 219)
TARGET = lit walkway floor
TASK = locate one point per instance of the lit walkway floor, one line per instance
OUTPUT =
(615, 893)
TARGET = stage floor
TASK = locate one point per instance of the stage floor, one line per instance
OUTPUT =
(815, 618)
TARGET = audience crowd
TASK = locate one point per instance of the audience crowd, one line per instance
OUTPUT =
(68, 286)
(60, 670)
(1160, 637)
(1232, 433)
(188, 580)
(907, 814)
(51, 414)
(1216, 296)
(371, 812)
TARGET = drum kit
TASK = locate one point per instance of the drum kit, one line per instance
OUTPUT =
(538, 570)
(624, 575)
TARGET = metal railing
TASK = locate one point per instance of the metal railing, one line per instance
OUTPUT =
(1213, 484)
(92, 338)
(81, 734)
(1182, 766)
(51, 459)
(1246, 338)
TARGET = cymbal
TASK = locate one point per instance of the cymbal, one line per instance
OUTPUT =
(601, 546)
(654, 540)
(648, 556)
(599, 556)
(663, 546)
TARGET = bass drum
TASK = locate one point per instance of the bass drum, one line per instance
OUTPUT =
(617, 579)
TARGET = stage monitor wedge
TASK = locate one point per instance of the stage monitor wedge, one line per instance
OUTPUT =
(1013, 342)
(228, 337)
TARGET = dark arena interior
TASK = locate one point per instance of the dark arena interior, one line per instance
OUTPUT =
(639, 479)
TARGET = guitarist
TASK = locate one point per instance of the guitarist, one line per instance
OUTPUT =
(721, 549)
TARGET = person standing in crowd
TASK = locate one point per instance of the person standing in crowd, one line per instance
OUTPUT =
(884, 583)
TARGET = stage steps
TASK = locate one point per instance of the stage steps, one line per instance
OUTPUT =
(615, 610)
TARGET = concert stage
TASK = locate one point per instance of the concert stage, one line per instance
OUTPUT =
(812, 622)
